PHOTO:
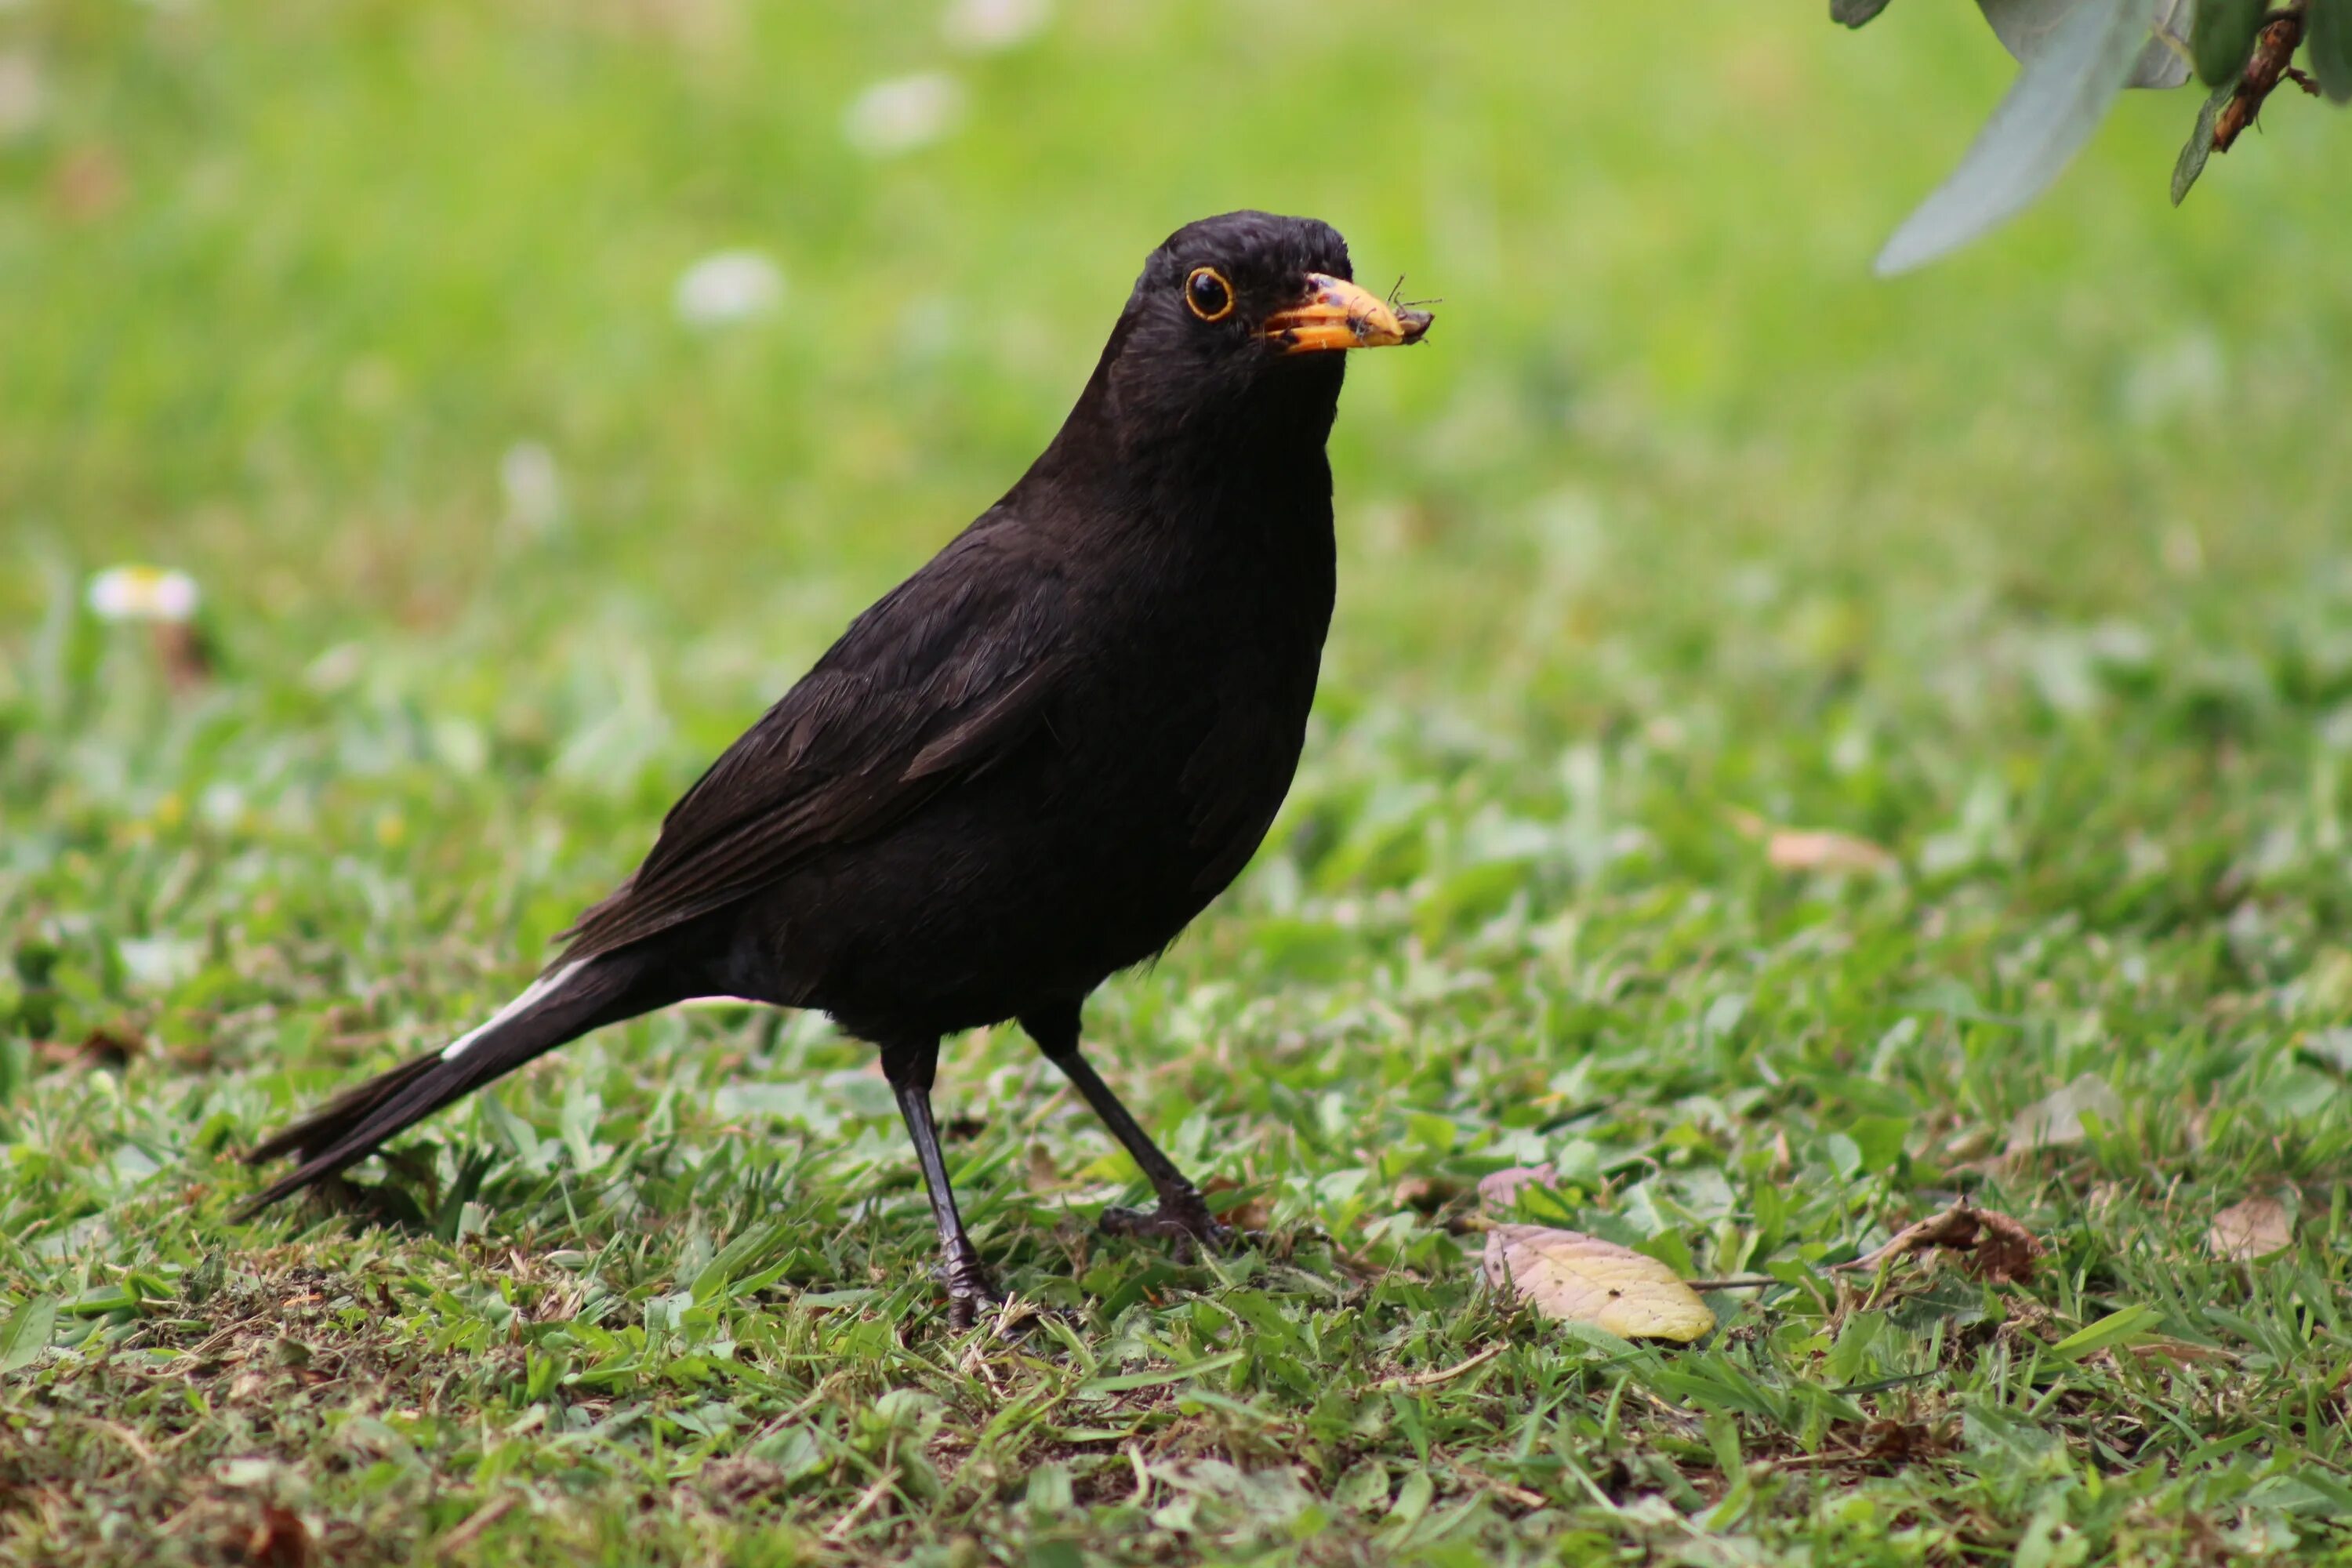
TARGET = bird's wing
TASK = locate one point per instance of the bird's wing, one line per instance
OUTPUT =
(937, 680)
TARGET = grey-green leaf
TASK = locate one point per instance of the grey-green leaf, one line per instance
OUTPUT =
(1854, 13)
(27, 1333)
(2071, 76)
(2328, 44)
(2222, 39)
(2191, 161)
(2025, 27)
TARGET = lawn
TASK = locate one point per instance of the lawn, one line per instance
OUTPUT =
(2030, 575)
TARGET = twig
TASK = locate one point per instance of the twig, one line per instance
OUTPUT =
(874, 1494)
(463, 1533)
(1738, 1282)
(1447, 1374)
(1519, 1495)
(123, 1435)
(2274, 48)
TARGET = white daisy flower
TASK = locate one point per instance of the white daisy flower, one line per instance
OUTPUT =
(903, 114)
(144, 594)
(24, 97)
(727, 287)
(981, 27)
(533, 487)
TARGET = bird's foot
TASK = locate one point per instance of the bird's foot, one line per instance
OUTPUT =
(967, 1307)
(1181, 1219)
(971, 1291)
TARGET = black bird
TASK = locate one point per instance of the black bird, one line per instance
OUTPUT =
(1031, 763)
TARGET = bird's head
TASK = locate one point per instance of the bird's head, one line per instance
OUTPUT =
(1239, 323)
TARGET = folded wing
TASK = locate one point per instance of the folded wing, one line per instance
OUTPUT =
(940, 679)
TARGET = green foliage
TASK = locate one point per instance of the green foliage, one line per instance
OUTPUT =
(2075, 56)
(2329, 47)
(2222, 38)
(2074, 59)
(2032, 573)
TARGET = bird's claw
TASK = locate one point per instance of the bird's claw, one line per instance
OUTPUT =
(966, 1308)
(1179, 1223)
(970, 1290)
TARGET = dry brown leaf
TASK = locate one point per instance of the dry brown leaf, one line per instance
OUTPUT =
(2254, 1228)
(110, 1048)
(279, 1540)
(1891, 1442)
(2005, 1250)
(1250, 1216)
(1800, 850)
(1998, 1248)
(1582, 1278)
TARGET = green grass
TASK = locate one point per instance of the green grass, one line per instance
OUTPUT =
(2032, 569)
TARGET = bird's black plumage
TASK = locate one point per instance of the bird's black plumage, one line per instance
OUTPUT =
(1029, 764)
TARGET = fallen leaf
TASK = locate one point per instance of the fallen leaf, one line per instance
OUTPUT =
(2005, 1251)
(1584, 1279)
(1501, 1189)
(280, 1540)
(2254, 1228)
(108, 1048)
(1248, 1217)
(738, 1479)
(2056, 1119)
(1794, 849)
(1890, 1442)
(1998, 1249)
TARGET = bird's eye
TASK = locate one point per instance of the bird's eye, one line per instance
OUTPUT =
(1209, 295)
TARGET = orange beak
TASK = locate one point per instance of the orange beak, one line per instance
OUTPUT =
(1338, 314)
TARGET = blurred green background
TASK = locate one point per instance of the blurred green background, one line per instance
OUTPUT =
(1681, 528)
(281, 284)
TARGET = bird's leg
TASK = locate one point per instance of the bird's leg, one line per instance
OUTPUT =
(1182, 1216)
(910, 1070)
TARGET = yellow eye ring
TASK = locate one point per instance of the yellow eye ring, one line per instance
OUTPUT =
(1207, 294)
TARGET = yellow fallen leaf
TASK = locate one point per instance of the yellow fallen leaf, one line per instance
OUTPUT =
(2254, 1228)
(1584, 1279)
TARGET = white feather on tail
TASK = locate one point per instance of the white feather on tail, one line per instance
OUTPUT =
(539, 990)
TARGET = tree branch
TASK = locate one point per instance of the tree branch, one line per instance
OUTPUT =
(2274, 47)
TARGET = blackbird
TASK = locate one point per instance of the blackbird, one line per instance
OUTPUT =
(1026, 767)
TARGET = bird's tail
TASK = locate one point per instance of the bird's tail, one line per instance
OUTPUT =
(562, 1006)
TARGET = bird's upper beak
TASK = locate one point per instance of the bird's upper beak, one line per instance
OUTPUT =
(1338, 314)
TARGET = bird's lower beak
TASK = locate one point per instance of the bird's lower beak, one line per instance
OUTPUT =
(1338, 314)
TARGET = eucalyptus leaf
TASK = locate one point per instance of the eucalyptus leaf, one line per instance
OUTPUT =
(2222, 39)
(2071, 76)
(1854, 13)
(2200, 146)
(2327, 43)
(2025, 29)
